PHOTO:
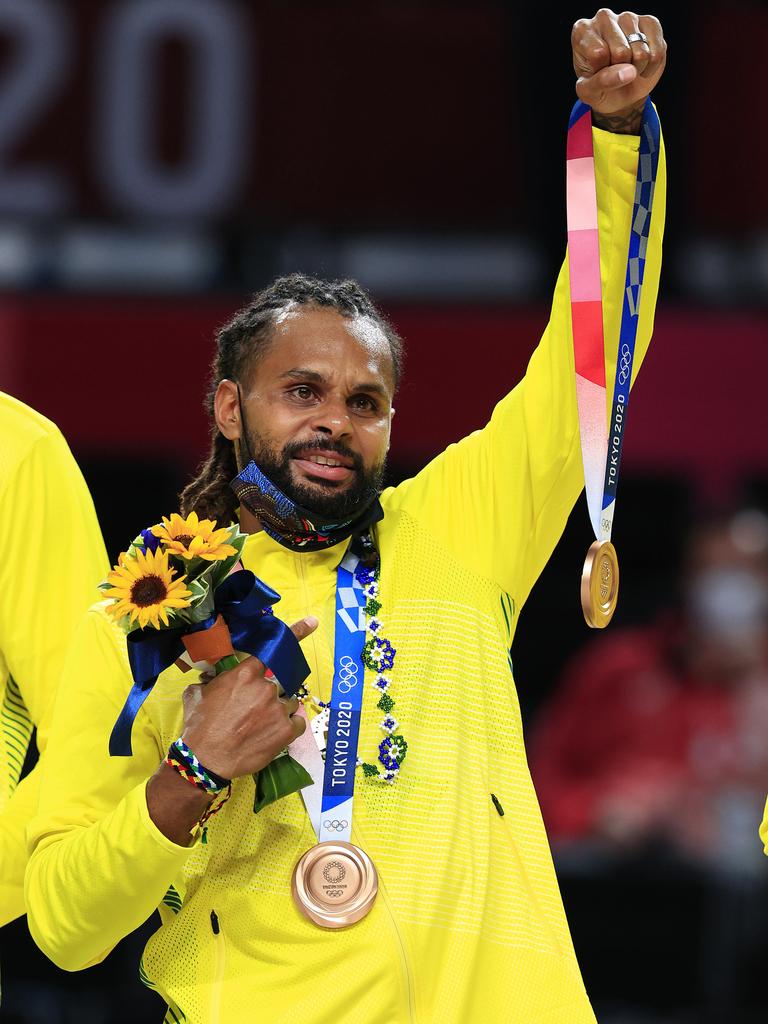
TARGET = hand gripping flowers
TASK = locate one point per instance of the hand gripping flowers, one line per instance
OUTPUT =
(176, 588)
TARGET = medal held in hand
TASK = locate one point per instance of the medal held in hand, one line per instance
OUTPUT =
(600, 584)
(601, 443)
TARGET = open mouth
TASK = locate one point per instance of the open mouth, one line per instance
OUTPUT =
(329, 466)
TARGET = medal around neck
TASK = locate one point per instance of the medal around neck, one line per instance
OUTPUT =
(334, 884)
(601, 442)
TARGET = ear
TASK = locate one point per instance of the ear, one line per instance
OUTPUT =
(226, 410)
(391, 415)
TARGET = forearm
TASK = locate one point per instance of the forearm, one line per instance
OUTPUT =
(175, 806)
(88, 888)
(622, 122)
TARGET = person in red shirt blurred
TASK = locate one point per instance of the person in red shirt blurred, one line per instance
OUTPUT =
(656, 735)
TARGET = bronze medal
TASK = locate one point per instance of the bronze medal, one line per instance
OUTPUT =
(334, 884)
(600, 584)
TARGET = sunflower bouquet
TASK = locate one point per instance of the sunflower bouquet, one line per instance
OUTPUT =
(176, 595)
(170, 572)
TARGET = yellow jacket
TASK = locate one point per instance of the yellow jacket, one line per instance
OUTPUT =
(468, 925)
(51, 559)
(764, 829)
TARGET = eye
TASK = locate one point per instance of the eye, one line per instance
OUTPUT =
(303, 392)
(363, 403)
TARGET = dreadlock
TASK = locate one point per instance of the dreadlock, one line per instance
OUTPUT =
(239, 345)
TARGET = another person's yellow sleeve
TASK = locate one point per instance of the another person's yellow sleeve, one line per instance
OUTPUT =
(52, 557)
(764, 829)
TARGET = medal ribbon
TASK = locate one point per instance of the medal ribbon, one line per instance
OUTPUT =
(600, 446)
(329, 800)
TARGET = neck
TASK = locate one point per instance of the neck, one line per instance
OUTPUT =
(264, 506)
(249, 523)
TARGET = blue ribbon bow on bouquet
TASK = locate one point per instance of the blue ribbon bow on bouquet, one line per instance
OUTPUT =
(245, 603)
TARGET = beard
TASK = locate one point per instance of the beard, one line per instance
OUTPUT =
(324, 498)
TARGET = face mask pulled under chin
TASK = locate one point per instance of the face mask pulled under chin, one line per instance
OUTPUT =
(292, 525)
(729, 604)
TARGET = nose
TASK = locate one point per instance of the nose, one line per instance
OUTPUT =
(332, 418)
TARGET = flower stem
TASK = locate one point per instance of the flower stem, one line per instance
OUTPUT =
(230, 661)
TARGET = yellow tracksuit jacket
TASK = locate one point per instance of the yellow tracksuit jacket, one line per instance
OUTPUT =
(51, 559)
(468, 925)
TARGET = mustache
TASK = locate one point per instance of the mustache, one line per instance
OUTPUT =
(292, 448)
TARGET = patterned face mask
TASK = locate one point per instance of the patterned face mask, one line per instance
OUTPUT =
(291, 525)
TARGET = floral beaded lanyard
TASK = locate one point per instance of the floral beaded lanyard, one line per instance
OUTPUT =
(358, 645)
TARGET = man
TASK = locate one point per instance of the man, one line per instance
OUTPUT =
(468, 924)
(52, 559)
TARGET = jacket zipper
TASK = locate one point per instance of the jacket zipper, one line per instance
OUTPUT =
(400, 942)
(402, 950)
(306, 604)
(506, 827)
(218, 969)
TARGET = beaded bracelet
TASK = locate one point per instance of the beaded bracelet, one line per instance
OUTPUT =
(187, 765)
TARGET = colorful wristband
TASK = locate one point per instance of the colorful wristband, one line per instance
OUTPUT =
(187, 765)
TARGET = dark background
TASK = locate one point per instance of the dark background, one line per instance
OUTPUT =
(160, 161)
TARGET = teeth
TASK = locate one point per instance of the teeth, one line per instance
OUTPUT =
(322, 461)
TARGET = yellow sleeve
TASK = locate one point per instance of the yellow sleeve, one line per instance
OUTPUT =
(18, 812)
(53, 559)
(98, 865)
(764, 829)
(499, 499)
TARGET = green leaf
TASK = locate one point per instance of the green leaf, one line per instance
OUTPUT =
(201, 602)
(280, 778)
(220, 570)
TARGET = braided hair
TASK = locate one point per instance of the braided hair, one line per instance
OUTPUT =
(238, 346)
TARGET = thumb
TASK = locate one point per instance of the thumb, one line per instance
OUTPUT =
(595, 90)
(304, 627)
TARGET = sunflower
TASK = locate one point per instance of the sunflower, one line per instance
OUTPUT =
(142, 586)
(194, 538)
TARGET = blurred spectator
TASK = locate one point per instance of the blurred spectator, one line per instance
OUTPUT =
(657, 734)
(651, 766)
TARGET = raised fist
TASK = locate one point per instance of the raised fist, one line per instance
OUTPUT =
(618, 59)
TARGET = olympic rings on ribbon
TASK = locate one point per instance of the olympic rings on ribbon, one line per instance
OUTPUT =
(347, 673)
(625, 364)
(335, 825)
